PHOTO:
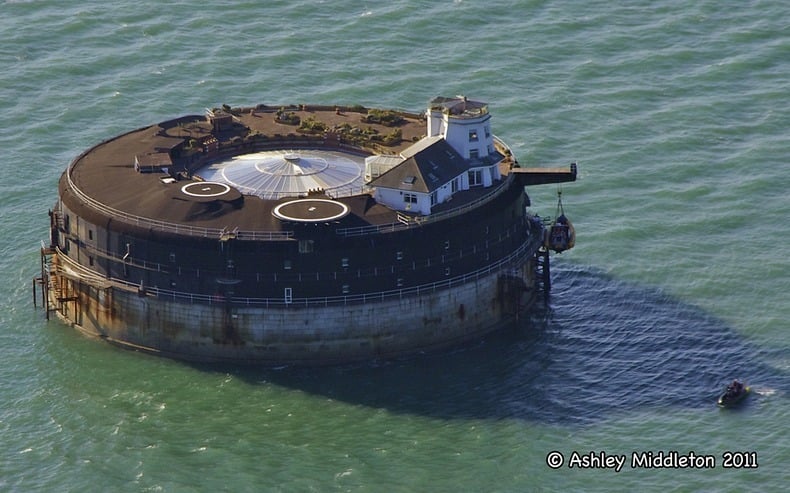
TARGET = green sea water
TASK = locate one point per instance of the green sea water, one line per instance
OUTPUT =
(678, 115)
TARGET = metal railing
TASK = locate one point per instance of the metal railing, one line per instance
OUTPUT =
(170, 227)
(504, 264)
(406, 222)
(403, 221)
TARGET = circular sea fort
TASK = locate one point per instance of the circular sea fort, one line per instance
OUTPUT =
(297, 234)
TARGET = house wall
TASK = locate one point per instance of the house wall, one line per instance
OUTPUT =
(394, 199)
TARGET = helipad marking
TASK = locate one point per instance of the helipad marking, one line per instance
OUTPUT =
(332, 204)
(205, 189)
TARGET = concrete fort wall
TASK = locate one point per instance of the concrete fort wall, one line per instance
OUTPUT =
(313, 334)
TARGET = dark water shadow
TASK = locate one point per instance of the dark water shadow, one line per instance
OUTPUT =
(601, 347)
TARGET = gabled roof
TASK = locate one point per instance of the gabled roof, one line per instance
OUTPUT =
(430, 164)
(420, 146)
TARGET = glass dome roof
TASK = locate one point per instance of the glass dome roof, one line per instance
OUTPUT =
(277, 174)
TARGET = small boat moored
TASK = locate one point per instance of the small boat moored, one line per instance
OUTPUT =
(560, 236)
(733, 394)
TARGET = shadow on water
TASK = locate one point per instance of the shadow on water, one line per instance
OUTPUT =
(602, 347)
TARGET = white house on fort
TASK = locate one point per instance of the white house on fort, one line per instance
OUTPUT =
(458, 153)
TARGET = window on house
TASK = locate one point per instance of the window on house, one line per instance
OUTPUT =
(473, 136)
(344, 262)
(475, 177)
(474, 153)
(434, 198)
(410, 198)
(286, 264)
(488, 132)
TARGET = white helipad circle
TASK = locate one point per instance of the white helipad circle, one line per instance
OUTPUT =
(310, 210)
(205, 189)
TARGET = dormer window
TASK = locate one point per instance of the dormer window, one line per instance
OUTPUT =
(409, 180)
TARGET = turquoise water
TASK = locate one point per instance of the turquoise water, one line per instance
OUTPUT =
(678, 114)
